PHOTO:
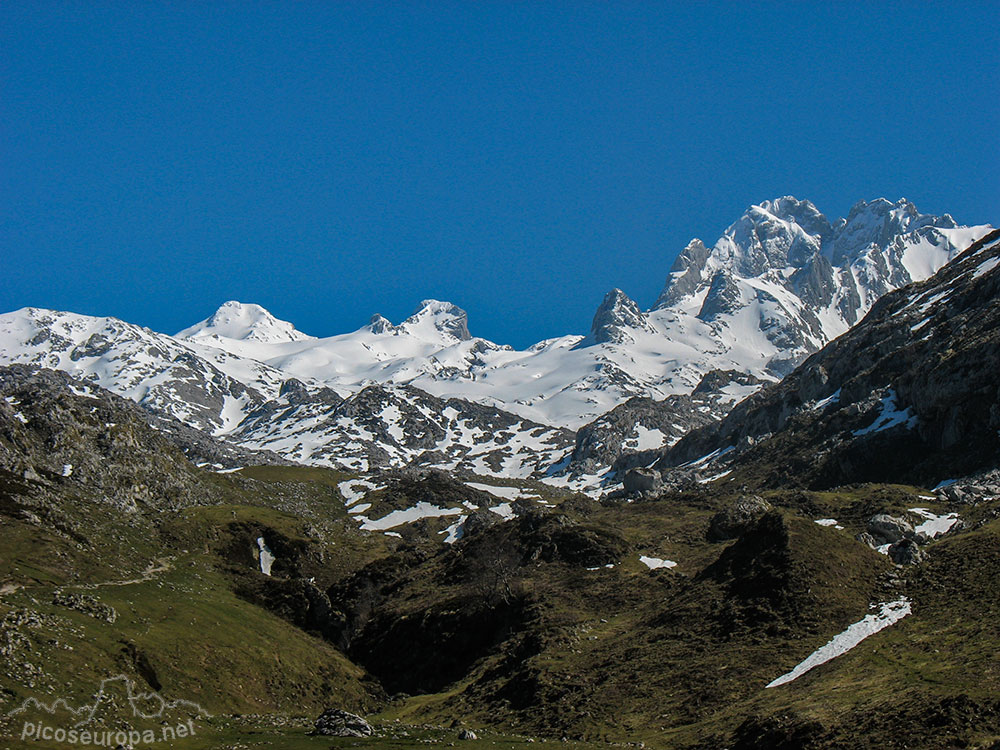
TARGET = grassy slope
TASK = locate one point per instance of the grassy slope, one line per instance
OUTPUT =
(608, 654)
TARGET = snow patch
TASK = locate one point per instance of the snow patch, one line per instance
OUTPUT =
(454, 532)
(507, 493)
(655, 562)
(986, 266)
(400, 517)
(833, 398)
(889, 613)
(266, 557)
(351, 492)
(934, 525)
(889, 416)
(504, 510)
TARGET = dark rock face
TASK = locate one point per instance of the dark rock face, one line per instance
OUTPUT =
(336, 723)
(62, 429)
(908, 395)
(613, 438)
(723, 297)
(617, 314)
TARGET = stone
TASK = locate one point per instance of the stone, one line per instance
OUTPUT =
(467, 734)
(337, 723)
(906, 552)
(865, 538)
(640, 480)
(889, 528)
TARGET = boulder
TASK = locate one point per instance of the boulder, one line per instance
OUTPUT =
(640, 480)
(906, 552)
(467, 734)
(889, 528)
(337, 723)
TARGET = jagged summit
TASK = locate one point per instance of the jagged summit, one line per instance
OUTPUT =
(617, 314)
(908, 395)
(244, 322)
(784, 270)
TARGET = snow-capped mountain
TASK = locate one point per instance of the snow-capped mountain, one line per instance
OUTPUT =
(788, 280)
(909, 395)
(780, 283)
(202, 386)
(260, 407)
(235, 320)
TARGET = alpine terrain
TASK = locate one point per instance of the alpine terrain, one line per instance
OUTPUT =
(763, 513)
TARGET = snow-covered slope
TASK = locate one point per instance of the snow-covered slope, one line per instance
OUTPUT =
(257, 406)
(398, 426)
(780, 283)
(203, 386)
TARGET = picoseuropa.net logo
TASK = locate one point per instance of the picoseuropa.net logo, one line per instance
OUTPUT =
(59, 721)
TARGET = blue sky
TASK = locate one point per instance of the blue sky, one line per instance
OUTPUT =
(333, 160)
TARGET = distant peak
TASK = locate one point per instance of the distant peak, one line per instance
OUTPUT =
(235, 308)
(441, 317)
(790, 209)
(436, 306)
(245, 322)
(379, 324)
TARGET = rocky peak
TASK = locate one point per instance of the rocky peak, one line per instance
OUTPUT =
(723, 297)
(685, 274)
(761, 240)
(379, 324)
(617, 313)
(800, 212)
(876, 224)
(434, 318)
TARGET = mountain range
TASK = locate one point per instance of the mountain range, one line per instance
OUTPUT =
(780, 283)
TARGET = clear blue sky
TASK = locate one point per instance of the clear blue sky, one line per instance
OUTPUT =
(330, 160)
